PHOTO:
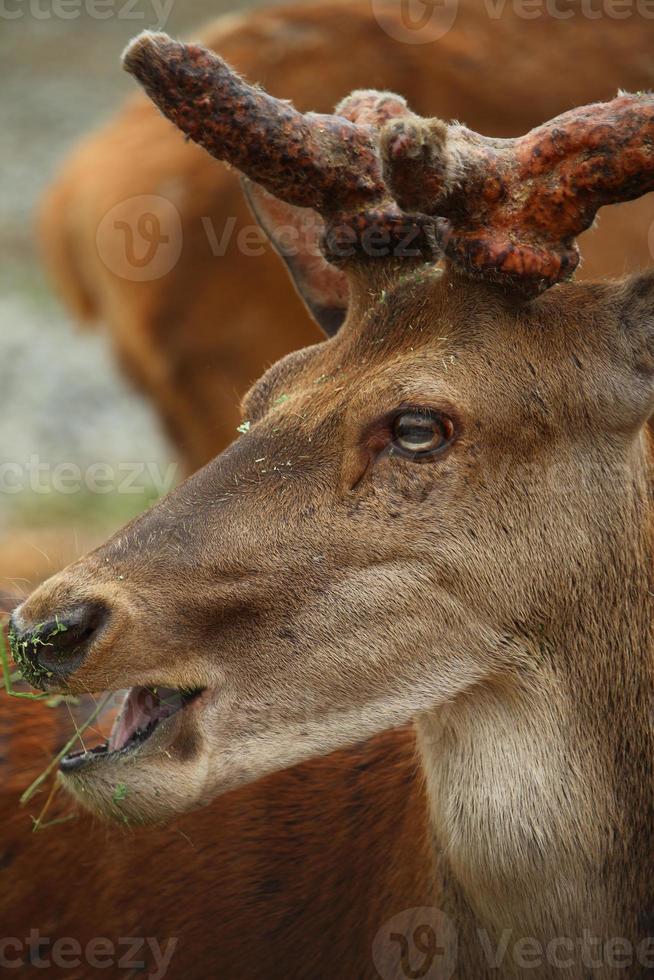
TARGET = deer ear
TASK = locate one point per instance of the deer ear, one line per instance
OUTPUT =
(295, 234)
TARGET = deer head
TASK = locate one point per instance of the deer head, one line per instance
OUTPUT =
(418, 505)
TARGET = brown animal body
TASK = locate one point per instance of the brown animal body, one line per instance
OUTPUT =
(340, 843)
(295, 874)
(196, 337)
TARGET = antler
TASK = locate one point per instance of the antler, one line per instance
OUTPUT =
(515, 206)
(386, 180)
(329, 163)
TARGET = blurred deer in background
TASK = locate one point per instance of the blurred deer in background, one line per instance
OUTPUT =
(441, 514)
(196, 337)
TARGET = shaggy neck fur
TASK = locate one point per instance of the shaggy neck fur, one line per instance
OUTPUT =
(540, 784)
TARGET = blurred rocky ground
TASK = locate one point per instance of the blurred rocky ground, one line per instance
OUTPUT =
(62, 400)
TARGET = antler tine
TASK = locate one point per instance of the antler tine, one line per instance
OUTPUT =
(330, 163)
(514, 207)
(325, 162)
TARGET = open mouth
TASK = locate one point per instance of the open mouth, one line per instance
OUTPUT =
(143, 710)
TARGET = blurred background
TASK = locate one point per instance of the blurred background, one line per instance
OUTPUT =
(62, 397)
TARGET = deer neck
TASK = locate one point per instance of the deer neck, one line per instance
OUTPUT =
(541, 786)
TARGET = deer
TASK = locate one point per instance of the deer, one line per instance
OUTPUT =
(255, 878)
(438, 517)
(194, 338)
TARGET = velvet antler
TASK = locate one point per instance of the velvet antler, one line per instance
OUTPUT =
(327, 162)
(387, 181)
(515, 206)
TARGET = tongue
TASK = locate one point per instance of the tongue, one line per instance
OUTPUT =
(142, 707)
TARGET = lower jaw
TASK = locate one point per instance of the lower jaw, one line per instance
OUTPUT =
(151, 784)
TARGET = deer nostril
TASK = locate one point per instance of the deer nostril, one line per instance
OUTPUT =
(58, 646)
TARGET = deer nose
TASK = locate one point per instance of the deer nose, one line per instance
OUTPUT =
(57, 647)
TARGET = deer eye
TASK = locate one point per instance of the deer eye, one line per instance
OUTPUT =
(421, 433)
